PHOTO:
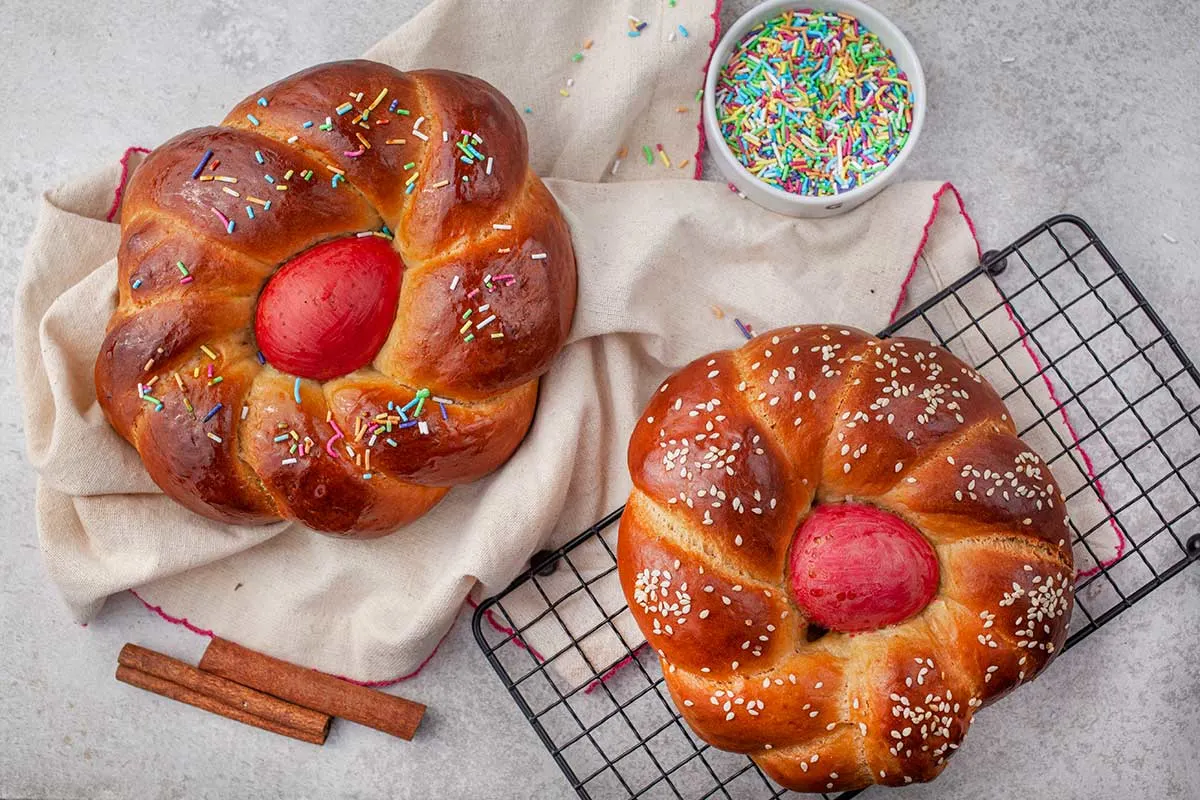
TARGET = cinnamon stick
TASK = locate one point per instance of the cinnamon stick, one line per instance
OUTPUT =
(312, 689)
(172, 678)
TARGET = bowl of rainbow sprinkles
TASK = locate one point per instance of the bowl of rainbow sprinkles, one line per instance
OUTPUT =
(810, 112)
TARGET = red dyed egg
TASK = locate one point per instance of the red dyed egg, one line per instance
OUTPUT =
(859, 568)
(328, 311)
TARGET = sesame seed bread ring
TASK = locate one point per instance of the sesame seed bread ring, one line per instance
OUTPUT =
(840, 550)
(337, 304)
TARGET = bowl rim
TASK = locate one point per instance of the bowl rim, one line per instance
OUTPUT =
(895, 39)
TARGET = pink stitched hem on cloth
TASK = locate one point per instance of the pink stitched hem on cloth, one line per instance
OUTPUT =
(1122, 541)
(507, 631)
(698, 171)
(1087, 460)
(624, 662)
(370, 684)
(120, 190)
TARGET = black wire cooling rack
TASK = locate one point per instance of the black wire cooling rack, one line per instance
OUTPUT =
(1098, 386)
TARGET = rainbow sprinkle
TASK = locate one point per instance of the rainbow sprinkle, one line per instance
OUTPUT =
(467, 147)
(200, 167)
(226, 221)
(813, 103)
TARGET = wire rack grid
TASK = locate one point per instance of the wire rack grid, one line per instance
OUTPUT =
(1098, 386)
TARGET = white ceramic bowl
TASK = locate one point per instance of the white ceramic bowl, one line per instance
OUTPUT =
(771, 197)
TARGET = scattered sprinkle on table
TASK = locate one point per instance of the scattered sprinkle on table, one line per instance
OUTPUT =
(624, 151)
(1170, 238)
(813, 103)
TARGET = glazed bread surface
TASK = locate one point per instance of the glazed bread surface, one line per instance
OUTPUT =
(434, 162)
(731, 456)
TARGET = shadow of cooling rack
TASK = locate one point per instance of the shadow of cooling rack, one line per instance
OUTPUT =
(1097, 385)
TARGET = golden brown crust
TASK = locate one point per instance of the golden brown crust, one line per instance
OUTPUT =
(824, 764)
(327, 493)
(991, 483)
(795, 701)
(533, 311)
(312, 95)
(469, 208)
(906, 400)
(331, 152)
(306, 213)
(715, 620)
(828, 414)
(460, 446)
(182, 457)
(1018, 601)
(152, 245)
(703, 455)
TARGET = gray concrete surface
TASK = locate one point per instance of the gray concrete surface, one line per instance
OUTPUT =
(1086, 107)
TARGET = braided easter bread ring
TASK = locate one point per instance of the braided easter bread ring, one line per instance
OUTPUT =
(337, 304)
(840, 550)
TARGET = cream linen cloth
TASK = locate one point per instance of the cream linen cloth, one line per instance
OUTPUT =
(655, 254)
